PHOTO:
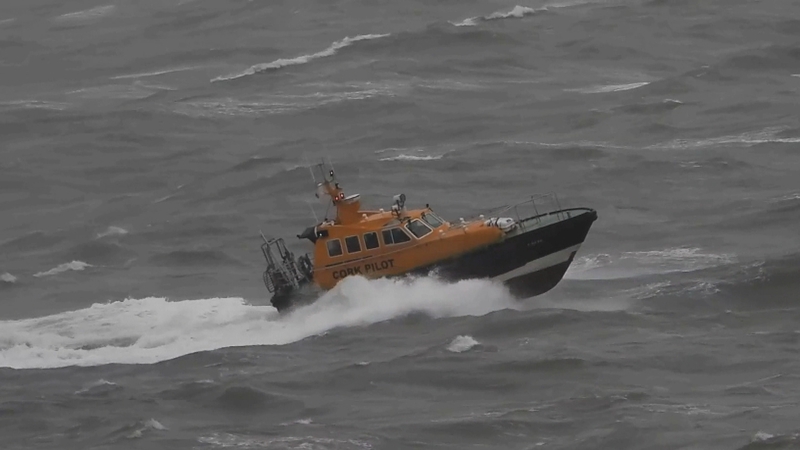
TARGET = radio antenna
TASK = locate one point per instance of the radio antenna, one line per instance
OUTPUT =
(328, 154)
(310, 170)
(314, 213)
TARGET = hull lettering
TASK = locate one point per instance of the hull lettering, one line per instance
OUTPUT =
(368, 268)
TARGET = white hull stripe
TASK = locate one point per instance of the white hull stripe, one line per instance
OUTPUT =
(536, 265)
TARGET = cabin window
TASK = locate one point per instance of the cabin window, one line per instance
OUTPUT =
(432, 220)
(418, 229)
(394, 236)
(352, 243)
(371, 240)
(334, 247)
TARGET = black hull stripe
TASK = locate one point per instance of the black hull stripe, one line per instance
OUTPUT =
(539, 282)
(519, 250)
(557, 241)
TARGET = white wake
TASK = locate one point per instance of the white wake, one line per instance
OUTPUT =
(148, 330)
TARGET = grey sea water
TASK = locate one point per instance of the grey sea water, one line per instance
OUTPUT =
(145, 144)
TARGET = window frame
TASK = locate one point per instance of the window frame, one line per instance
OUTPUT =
(328, 244)
(434, 216)
(377, 240)
(347, 246)
(398, 228)
(421, 222)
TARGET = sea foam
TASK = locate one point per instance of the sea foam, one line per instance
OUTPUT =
(148, 330)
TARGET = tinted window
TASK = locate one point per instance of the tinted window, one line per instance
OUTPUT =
(352, 243)
(418, 228)
(394, 236)
(431, 220)
(334, 247)
(398, 236)
(371, 240)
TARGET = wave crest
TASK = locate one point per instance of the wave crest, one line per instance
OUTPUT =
(517, 12)
(303, 59)
(8, 278)
(461, 344)
(74, 265)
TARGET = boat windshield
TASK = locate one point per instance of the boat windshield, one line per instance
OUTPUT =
(432, 219)
(418, 229)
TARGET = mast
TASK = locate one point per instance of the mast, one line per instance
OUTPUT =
(347, 207)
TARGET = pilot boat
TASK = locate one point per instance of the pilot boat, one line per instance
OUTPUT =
(527, 253)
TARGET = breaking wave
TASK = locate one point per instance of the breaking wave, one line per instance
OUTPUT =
(303, 59)
(8, 278)
(771, 135)
(112, 231)
(462, 344)
(413, 154)
(517, 12)
(154, 73)
(74, 265)
(609, 88)
(34, 104)
(148, 330)
(86, 15)
(404, 157)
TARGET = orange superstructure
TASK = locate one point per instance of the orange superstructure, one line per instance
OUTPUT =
(382, 243)
(529, 254)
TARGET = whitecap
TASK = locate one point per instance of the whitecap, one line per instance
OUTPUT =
(74, 265)
(303, 59)
(150, 424)
(761, 436)
(678, 254)
(404, 157)
(133, 91)
(747, 139)
(8, 278)
(87, 14)
(112, 231)
(99, 385)
(470, 22)
(517, 12)
(34, 104)
(413, 153)
(609, 88)
(787, 198)
(153, 74)
(461, 344)
(228, 440)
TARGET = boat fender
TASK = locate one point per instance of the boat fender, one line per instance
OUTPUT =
(504, 223)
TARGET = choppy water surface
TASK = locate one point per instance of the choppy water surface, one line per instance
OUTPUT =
(146, 144)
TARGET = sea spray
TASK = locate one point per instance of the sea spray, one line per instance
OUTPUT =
(148, 330)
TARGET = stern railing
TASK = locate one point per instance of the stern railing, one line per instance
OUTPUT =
(533, 210)
(281, 271)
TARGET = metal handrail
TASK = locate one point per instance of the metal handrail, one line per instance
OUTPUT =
(498, 210)
(286, 266)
